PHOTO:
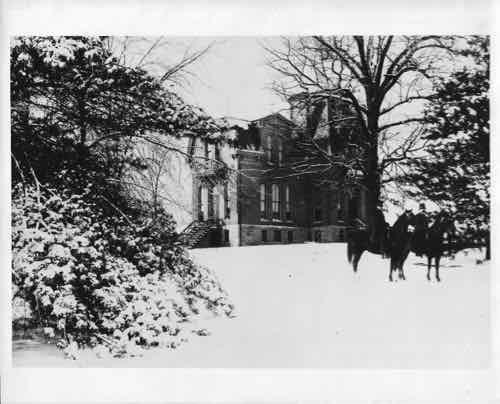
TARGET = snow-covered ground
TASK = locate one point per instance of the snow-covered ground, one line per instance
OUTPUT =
(302, 306)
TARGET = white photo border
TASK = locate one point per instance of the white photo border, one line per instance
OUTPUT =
(271, 17)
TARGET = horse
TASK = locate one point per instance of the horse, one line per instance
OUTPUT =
(403, 241)
(442, 229)
(400, 243)
(358, 241)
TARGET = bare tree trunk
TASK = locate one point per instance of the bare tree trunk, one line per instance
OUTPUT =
(372, 185)
(372, 173)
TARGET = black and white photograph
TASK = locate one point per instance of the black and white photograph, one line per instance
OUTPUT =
(250, 202)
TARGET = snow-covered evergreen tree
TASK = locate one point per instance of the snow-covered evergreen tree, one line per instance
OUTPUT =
(455, 171)
(98, 266)
(72, 98)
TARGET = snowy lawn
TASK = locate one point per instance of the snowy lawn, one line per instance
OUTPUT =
(302, 306)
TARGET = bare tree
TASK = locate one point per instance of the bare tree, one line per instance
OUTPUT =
(162, 179)
(171, 60)
(381, 80)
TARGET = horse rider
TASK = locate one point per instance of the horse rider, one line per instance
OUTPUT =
(421, 227)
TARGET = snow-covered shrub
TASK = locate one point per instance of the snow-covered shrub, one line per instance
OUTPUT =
(99, 280)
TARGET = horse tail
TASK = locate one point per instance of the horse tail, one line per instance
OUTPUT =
(349, 249)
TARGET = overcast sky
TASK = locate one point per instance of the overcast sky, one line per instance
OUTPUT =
(232, 79)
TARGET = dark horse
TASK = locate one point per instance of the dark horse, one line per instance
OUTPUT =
(443, 229)
(358, 241)
(400, 239)
(433, 244)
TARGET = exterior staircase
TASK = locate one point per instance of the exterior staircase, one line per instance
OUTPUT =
(196, 231)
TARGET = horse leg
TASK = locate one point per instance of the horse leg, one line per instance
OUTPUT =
(403, 259)
(355, 261)
(437, 268)
(429, 267)
(349, 250)
(391, 268)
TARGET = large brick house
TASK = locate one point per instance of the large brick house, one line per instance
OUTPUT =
(262, 198)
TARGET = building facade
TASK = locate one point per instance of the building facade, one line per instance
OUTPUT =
(258, 190)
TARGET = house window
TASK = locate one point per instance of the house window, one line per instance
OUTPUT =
(264, 235)
(262, 201)
(276, 201)
(288, 205)
(269, 149)
(340, 210)
(217, 201)
(277, 235)
(280, 153)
